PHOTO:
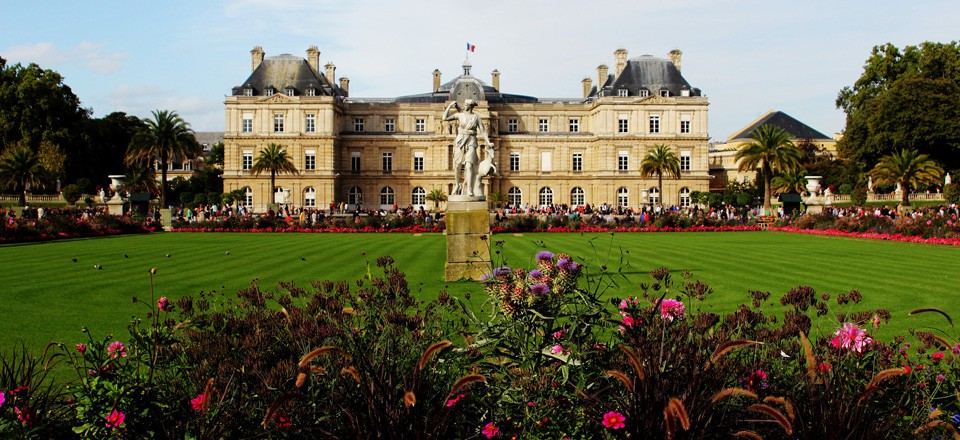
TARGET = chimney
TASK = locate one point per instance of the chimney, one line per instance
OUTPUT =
(621, 55)
(675, 57)
(345, 85)
(331, 71)
(436, 80)
(256, 57)
(495, 79)
(601, 76)
(587, 85)
(313, 58)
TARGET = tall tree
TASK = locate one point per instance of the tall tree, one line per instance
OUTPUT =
(910, 169)
(904, 97)
(436, 196)
(141, 179)
(772, 151)
(102, 148)
(790, 181)
(20, 169)
(275, 160)
(35, 106)
(167, 137)
(659, 161)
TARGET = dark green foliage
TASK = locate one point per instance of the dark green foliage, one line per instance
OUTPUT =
(72, 193)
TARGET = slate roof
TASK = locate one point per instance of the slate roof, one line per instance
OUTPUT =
(797, 129)
(284, 71)
(646, 72)
(492, 95)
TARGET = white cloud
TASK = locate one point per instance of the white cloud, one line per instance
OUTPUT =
(88, 55)
(140, 100)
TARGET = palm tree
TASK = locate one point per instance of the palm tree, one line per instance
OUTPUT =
(497, 199)
(141, 179)
(660, 160)
(772, 151)
(167, 137)
(20, 169)
(275, 160)
(436, 196)
(910, 169)
(791, 181)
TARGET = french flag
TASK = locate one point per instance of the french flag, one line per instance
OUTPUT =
(471, 47)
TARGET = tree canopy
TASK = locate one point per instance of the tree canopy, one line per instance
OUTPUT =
(905, 97)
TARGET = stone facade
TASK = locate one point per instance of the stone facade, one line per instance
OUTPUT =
(376, 153)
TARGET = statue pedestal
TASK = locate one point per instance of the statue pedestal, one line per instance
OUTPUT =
(468, 240)
(814, 204)
(115, 205)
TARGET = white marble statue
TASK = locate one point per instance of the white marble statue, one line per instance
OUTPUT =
(869, 183)
(947, 180)
(469, 126)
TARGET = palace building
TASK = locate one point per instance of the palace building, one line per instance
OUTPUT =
(376, 153)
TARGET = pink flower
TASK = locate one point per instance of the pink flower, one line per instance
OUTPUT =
(558, 334)
(941, 378)
(614, 420)
(490, 430)
(556, 349)
(163, 304)
(453, 401)
(671, 309)
(116, 349)
(624, 304)
(937, 356)
(531, 404)
(850, 337)
(3, 398)
(115, 419)
(81, 348)
(199, 403)
(824, 367)
(24, 416)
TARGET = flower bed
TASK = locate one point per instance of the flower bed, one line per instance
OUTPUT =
(953, 241)
(332, 229)
(651, 228)
(55, 228)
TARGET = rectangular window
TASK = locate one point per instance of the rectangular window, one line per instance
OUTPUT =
(546, 161)
(685, 124)
(247, 92)
(664, 93)
(269, 91)
(623, 161)
(310, 160)
(420, 125)
(514, 161)
(512, 125)
(418, 161)
(623, 125)
(654, 123)
(358, 124)
(387, 162)
(291, 92)
(311, 92)
(685, 161)
(574, 126)
(278, 122)
(577, 162)
(355, 162)
(247, 123)
(311, 123)
(644, 93)
(247, 160)
(544, 125)
(389, 125)
(622, 92)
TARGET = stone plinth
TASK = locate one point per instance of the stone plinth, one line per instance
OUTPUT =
(115, 205)
(468, 240)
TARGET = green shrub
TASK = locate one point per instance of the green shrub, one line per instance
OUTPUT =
(72, 193)
(951, 193)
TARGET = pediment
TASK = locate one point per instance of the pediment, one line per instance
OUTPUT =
(278, 98)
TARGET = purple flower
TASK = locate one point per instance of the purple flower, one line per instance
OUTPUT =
(540, 289)
(485, 277)
(544, 256)
(955, 419)
(568, 265)
(501, 271)
(536, 274)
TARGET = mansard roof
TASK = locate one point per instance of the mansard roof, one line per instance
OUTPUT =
(283, 71)
(646, 73)
(491, 94)
(797, 129)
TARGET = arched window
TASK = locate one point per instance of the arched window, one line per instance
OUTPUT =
(309, 197)
(654, 196)
(623, 197)
(514, 196)
(419, 196)
(684, 197)
(355, 196)
(546, 196)
(247, 197)
(386, 196)
(577, 197)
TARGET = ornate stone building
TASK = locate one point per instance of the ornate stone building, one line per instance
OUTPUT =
(376, 152)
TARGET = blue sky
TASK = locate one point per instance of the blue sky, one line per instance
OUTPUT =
(747, 56)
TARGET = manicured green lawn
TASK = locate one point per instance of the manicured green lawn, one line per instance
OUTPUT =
(46, 296)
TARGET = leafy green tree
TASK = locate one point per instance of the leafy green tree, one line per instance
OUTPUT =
(791, 181)
(275, 160)
(910, 169)
(35, 106)
(20, 169)
(102, 148)
(772, 151)
(436, 196)
(214, 157)
(904, 97)
(659, 161)
(166, 138)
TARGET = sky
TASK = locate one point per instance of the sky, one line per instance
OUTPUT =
(746, 56)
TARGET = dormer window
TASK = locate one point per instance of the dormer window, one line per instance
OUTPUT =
(269, 91)
(248, 91)
(685, 91)
(311, 92)
(290, 91)
(621, 92)
(664, 92)
(644, 93)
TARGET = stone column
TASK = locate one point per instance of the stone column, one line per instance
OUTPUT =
(468, 240)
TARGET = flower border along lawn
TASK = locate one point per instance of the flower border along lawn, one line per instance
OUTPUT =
(47, 296)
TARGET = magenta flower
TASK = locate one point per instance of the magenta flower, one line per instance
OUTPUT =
(614, 420)
(531, 404)
(116, 349)
(850, 337)
(81, 348)
(558, 334)
(114, 419)
(163, 304)
(199, 403)
(3, 398)
(671, 309)
(453, 401)
(556, 349)
(627, 319)
(941, 378)
(490, 430)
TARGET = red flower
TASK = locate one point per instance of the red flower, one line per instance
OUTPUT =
(824, 367)
(614, 420)
(937, 356)
(114, 419)
(907, 369)
(199, 403)
(490, 430)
